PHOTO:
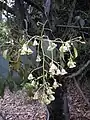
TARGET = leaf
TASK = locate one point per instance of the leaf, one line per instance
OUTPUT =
(5, 54)
(29, 88)
(75, 52)
(47, 6)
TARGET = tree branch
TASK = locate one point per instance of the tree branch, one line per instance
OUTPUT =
(80, 70)
(68, 26)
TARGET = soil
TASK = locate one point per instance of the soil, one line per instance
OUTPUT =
(18, 106)
(78, 108)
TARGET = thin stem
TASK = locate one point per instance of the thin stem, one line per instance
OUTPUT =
(51, 60)
(43, 28)
(36, 69)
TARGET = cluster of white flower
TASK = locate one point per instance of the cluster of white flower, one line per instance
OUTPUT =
(54, 70)
(65, 47)
(71, 63)
(26, 50)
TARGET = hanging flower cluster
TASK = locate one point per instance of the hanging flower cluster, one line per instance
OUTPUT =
(54, 70)
(49, 63)
(44, 91)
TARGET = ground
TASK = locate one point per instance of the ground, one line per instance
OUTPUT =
(78, 108)
(17, 106)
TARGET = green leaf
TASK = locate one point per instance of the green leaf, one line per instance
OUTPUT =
(29, 88)
(75, 52)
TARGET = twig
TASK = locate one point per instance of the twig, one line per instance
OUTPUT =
(86, 100)
(76, 27)
(80, 70)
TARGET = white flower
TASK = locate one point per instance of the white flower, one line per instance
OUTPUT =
(63, 49)
(67, 45)
(55, 71)
(58, 72)
(23, 52)
(71, 64)
(49, 91)
(45, 98)
(51, 98)
(33, 82)
(30, 77)
(47, 101)
(63, 71)
(35, 43)
(29, 51)
(38, 59)
(53, 68)
(51, 46)
(55, 84)
(26, 50)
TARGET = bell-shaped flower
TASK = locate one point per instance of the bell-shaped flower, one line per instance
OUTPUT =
(29, 51)
(30, 77)
(24, 47)
(67, 44)
(55, 84)
(63, 72)
(26, 50)
(51, 46)
(58, 72)
(53, 68)
(71, 63)
(38, 59)
(35, 43)
(63, 48)
(49, 91)
(51, 98)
